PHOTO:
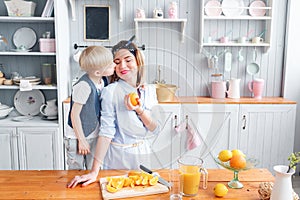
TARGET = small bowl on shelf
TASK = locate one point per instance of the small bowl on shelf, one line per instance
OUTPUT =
(235, 183)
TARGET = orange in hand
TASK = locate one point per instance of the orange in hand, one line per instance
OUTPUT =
(134, 97)
(238, 162)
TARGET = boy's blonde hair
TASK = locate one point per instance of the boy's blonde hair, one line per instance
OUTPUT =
(95, 58)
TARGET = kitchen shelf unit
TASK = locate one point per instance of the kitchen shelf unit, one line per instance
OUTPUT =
(245, 19)
(39, 132)
(153, 20)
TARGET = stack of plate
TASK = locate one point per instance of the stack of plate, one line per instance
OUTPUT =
(32, 79)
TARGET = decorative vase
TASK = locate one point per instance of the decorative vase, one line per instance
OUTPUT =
(282, 189)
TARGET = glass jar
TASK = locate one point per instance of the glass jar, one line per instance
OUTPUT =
(3, 43)
(47, 73)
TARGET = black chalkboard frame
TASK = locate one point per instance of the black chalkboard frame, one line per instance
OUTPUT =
(95, 29)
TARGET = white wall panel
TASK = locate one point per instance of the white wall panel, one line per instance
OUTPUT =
(181, 62)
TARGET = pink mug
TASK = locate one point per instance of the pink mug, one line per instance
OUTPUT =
(256, 86)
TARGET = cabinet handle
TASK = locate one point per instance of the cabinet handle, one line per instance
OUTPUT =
(175, 119)
(186, 122)
(244, 122)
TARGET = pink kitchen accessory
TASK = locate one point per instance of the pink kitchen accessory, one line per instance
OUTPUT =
(47, 45)
(256, 8)
(213, 8)
(218, 89)
(256, 87)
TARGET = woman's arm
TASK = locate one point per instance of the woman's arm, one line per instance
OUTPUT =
(86, 179)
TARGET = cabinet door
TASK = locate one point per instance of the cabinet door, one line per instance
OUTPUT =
(8, 149)
(267, 133)
(38, 148)
(164, 146)
(215, 125)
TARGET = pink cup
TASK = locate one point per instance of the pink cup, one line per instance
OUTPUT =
(218, 89)
(257, 87)
(224, 39)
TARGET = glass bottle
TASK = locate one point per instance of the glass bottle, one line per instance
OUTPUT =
(47, 73)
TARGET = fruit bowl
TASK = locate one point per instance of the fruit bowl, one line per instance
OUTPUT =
(235, 183)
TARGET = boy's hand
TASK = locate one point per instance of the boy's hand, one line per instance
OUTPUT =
(83, 147)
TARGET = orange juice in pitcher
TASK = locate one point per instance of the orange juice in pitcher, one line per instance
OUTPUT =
(190, 169)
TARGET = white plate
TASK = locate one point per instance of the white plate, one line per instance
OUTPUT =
(232, 7)
(29, 102)
(210, 11)
(21, 50)
(257, 12)
(24, 37)
(22, 118)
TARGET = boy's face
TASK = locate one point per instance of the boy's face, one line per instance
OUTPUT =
(108, 70)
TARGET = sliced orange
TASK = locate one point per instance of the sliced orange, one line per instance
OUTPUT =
(127, 182)
(153, 181)
(145, 180)
(111, 189)
(134, 173)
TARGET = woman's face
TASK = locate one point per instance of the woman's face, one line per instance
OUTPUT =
(126, 66)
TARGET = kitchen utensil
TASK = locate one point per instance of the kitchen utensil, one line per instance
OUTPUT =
(234, 88)
(256, 8)
(24, 38)
(218, 89)
(232, 7)
(213, 8)
(29, 102)
(240, 56)
(228, 61)
(253, 68)
(160, 179)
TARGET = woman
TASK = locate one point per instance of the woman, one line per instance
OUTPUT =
(122, 141)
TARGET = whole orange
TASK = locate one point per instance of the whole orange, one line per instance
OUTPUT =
(238, 162)
(134, 97)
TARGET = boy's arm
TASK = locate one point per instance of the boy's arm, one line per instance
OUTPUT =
(83, 146)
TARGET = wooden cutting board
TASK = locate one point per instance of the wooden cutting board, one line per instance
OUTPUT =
(131, 192)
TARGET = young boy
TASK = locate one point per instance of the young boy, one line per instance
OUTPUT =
(84, 115)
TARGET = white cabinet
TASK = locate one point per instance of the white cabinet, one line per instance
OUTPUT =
(166, 145)
(267, 132)
(215, 125)
(262, 131)
(30, 148)
(236, 25)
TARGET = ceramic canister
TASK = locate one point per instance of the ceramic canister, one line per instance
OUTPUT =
(218, 89)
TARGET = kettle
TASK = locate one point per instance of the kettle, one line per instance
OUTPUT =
(49, 109)
(233, 88)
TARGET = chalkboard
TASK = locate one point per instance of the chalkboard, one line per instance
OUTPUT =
(96, 23)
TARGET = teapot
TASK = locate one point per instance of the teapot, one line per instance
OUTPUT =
(49, 109)
(234, 88)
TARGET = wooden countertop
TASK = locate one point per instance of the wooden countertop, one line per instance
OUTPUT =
(51, 184)
(209, 100)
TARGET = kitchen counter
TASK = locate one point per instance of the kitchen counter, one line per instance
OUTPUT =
(209, 100)
(51, 184)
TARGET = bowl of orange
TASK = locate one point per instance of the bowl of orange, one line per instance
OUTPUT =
(235, 161)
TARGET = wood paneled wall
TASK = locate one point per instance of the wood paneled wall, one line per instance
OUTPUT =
(181, 63)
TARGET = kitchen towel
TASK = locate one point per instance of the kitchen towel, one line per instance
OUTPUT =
(193, 139)
(25, 85)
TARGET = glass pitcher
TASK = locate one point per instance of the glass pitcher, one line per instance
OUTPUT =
(190, 170)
